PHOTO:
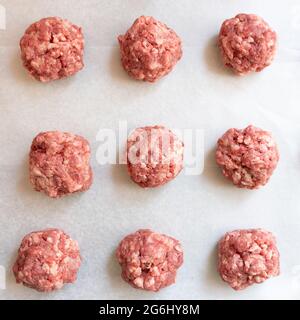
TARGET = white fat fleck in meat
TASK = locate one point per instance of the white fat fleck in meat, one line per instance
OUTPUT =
(149, 49)
(149, 260)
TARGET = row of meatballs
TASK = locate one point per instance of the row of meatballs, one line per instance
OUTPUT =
(49, 259)
(53, 48)
(59, 162)
(59, 165)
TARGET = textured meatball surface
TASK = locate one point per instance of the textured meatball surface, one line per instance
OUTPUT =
(154, 156)
(149, 49)
(52, 48)
(247, 157)
(47, 260)
(247, 257)
(149, 260)
(59, 163)
(247, 43)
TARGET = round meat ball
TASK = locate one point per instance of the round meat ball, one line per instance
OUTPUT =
(154, 156)
(149, 260)
(149, 49)
(246, 257)
(247, 157)
(59, 163)
(47, 260)
(247, 43)
(52, 48)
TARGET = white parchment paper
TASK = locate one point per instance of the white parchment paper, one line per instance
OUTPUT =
(198, 94)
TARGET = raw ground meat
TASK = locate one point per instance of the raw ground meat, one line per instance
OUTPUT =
(149, 260)
(247, 157)
(52, 48)
(247, 43)
(47, 260)
(149, 49)
(247, 257)
(59, 163)
(154, 155)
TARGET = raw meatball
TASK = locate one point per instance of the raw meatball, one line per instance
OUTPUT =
(149, 260)
(149, 49)
(59, 163)
(47, 260)
(247, 257)
(52, 48)
(154, 156)
(247, 157)
(247, 43)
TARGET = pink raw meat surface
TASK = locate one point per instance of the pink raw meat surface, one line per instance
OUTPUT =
(149, 49)
(247, 157)
(47, 260)
(52, 48)
(149, 260)
(247, 257)
(247, 43)
(154, 155)
(59, 163)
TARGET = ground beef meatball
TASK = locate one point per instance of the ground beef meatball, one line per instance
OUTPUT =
(52, 48)
(149, 49)
(47, 260)
(247, 43)
(247, 157)
(149, 260)
(247, 257)
(59, 163)
(154, 156)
